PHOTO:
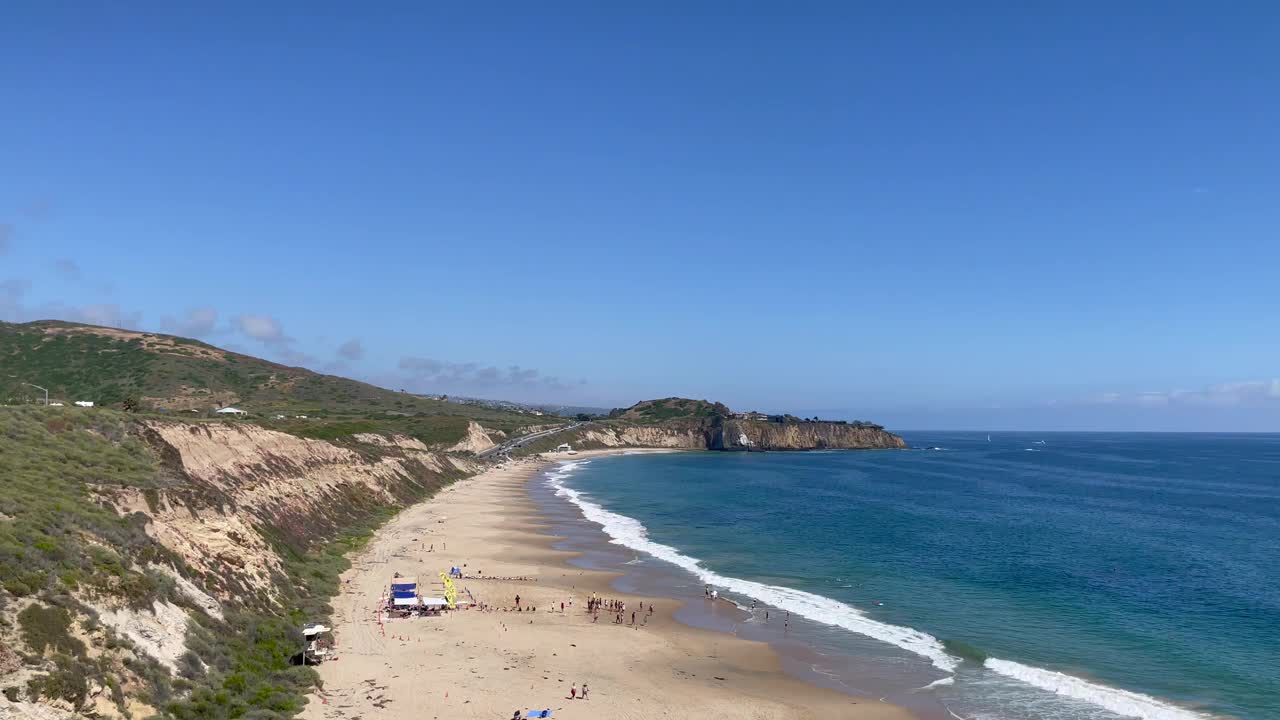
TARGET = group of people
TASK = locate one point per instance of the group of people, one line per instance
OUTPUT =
(619, 609)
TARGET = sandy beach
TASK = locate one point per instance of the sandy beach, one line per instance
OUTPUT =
(488, 663)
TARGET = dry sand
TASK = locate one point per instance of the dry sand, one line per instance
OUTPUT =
(486, 664)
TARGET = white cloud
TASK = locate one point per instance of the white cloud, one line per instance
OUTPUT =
(11, 294)
(262, 328)
(270, 332)
(67, 268)
(13, 308)
(195, 322)
(1234, 394)
(434, 375)
(351, 350)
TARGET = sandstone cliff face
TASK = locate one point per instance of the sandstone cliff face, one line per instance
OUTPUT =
(660, 437)
(476, 441)
(221, 518)
(731, 434)
(762, 435)
(234, 480)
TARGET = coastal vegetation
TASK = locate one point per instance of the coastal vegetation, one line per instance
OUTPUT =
(73, 553)
(165, 375)
(143, 572)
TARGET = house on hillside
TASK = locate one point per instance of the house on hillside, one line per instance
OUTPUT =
(84, 403)
(231, 411)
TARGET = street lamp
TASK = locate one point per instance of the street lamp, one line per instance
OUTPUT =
(46, 392)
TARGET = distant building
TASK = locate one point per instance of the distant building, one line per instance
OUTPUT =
(231, 411)
(84, 403)
(55, 404)
(564, 447)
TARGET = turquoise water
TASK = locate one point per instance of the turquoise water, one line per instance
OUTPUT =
(1057, 576)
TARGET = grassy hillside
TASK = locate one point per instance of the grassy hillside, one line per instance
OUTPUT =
(64, 555)
(57, 545)
(667, 409)
(164, 373)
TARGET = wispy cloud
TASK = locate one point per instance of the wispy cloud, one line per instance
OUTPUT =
(14, 308)
(106, 314)
(12, 292)
(1248, 393)
(67, 268)
(262, 328)
(269, 331)
(195, 322)
(429, 374)
(351, 350)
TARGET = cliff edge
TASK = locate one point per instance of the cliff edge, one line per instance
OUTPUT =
(703, 425)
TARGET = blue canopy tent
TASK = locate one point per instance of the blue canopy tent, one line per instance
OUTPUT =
(402, 588)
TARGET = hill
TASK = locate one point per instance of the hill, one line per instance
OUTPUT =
(673, 408)
(705, 425)
(157, 567)
(166, 374)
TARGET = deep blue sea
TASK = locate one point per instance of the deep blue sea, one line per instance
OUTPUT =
(1058, 576)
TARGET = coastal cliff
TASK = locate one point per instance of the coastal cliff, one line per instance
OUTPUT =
(151, 567)
(733, 434)
(701, 425)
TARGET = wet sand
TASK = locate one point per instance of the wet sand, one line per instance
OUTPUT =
(488, 663)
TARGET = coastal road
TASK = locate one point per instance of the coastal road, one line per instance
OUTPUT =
(515, 443)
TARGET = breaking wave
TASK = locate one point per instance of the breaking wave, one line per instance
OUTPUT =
(1120, 702)
(630, 533)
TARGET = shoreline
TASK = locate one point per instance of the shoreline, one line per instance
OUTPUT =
(488, 663)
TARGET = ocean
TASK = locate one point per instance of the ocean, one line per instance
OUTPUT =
(1053, 576)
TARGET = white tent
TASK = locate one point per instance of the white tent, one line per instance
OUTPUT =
(405, 602)
(434, 602)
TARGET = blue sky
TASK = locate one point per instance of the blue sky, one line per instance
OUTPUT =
(929, 214)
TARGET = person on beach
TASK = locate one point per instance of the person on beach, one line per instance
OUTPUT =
(633, 617)
(573, 692)
(561, 606)
(517, 601)
(584, 691)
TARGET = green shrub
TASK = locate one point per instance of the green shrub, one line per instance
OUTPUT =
(48, 627)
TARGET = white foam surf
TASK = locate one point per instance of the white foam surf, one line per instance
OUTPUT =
(630, 533)
(1120, 702)
(940, 682)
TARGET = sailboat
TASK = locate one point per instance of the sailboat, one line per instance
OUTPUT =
(988, 438)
